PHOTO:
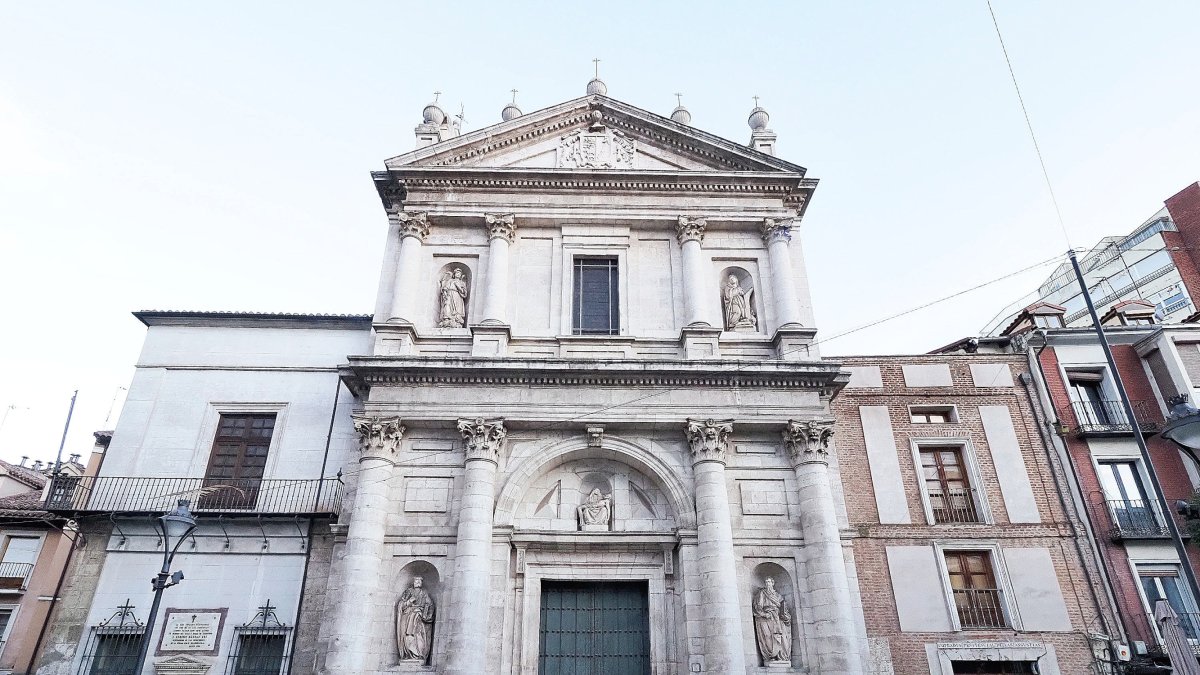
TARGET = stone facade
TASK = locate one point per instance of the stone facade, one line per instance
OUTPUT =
(590, 375)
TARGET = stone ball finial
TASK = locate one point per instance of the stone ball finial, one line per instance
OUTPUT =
(511, 111)
(681, 115)
(758, 119)
(433, 113)
(597, 86)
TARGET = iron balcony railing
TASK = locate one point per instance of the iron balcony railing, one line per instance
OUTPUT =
(1136, 519)
(1106, 417)
(956, 505)
(244, 496)
(980, 608)
(14, 575)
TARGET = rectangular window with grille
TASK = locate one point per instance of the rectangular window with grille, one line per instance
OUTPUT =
(976, 594)
(944, 473)
(259, 651)
(990, 667)
(595, 306)
(237, 462)
(112, 650)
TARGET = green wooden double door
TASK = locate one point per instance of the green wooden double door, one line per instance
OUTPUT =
(594, 628)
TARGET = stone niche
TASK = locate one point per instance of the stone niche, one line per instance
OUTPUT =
(761, 628)
(636, 503)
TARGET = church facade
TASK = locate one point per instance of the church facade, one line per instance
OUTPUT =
(586, 429)
(593, 399)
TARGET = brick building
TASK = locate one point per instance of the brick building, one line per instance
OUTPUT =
(971, 558)
(1111, 483)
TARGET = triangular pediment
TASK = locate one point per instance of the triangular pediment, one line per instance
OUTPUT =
(592, 133)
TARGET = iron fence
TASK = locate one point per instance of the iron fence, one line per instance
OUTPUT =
(15, 575)
(954, 506)
(250, 496)
(1136, 519)
(980, 608)
(1099, 417)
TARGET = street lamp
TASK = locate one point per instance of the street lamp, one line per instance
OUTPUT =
(1183, 425)
(174, 526)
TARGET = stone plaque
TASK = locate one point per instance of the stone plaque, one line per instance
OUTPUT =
(195, 631)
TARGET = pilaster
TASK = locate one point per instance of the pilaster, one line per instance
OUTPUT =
(720, 620)
(487, 340)
(777, 235)
(413, 228)
(689, 231)
(483, 446)
(833, 639)
(379, 440)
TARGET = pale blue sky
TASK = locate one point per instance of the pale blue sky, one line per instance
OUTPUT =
(215, 155)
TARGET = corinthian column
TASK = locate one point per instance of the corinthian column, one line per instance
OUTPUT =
(379, 439)
(414, 228)
(721, 625)
(501, 231)
(483, 443)
(690, 232)
(777, 234)
(835, 648)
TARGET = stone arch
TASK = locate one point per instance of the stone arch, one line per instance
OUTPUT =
(745, 280)
(526, 470)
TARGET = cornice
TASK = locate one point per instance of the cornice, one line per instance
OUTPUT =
(364, 372)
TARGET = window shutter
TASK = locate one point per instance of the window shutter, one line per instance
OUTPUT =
(1189, 353)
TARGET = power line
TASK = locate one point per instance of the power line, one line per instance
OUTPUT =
(1029, 124)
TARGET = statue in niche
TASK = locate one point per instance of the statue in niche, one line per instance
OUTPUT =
(595, 513)
(452, 299)
(738, 302)
(772, 625)
(414, 622)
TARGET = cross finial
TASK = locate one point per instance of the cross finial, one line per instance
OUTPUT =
(756, 101)
(678, 98)
(597, 62)
(436, 94)
(514, 91)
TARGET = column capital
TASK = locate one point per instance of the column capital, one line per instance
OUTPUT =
(414, 224)
(690, 229)
(483, 439)
(501, 226)
(378, 436)
(708, 439)
(776, 229)
(808, 441)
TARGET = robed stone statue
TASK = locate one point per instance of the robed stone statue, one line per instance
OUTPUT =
(596, 512)
(772, 625)
(737, 305)
(452, 300)
(414, 622)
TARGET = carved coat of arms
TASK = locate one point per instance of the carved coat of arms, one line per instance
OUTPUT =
(604, 149)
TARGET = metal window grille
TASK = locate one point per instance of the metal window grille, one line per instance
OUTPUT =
(596, 310)
(261, 646)
(114, 644)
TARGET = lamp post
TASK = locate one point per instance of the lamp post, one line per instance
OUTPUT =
(174, 526)
(1183, 426)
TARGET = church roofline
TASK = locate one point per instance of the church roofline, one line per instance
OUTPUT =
(739, 157)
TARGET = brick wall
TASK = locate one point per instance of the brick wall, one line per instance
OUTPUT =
(1054, 533)
(1167, 462)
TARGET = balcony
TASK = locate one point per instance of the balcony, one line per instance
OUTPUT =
(209, 496)
(979, 608)
(957, 505)
(1136, 519)
(1100, 418)
(14, 576)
